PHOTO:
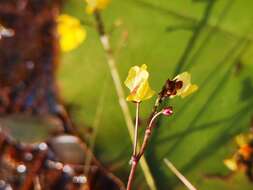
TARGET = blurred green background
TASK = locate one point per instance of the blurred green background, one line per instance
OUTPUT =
(212, 39)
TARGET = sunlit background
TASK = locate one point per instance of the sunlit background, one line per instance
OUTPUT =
(211, 39)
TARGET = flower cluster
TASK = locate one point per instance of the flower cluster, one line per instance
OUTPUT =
(242, 158)
(137, 82)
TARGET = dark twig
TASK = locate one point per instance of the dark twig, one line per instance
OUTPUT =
(35, 169)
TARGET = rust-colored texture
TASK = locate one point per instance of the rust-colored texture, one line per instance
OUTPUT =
(28, 60)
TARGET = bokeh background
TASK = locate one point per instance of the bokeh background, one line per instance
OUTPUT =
(212, 39)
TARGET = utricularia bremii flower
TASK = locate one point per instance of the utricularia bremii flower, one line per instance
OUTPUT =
(179, 86)
(137, 82)
(70, 31)
(242, 158)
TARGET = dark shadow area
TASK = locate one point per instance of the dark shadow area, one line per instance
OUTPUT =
(180, 27)
(247, 90)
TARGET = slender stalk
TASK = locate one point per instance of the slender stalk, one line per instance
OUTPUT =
(179, 175)
(132, 173)
(148, 133)
(104, 38)
(136, 158)
(136, 129)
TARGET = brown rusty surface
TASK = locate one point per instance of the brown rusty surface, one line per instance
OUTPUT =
(28, 61)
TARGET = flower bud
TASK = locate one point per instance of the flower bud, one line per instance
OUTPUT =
(168, 111)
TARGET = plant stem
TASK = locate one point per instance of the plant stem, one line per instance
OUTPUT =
(136, 129)
(137, 157)
(179, 175)
(134, 156)
(104, 38)
(134, 164)
(148, 133)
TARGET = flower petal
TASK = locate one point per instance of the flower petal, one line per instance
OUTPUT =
(241, 140)
(137, 82)
(144, 91)
(93, 5)
(71, 32)
(136, 76)
(190, 90)
(187, 87)
(185, 77)
(231, 164)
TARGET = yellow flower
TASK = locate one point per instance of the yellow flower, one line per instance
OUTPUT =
(93, 5)
(243, 139)
(231, 164)
(187, 88)
(137, 82)
(70, 31)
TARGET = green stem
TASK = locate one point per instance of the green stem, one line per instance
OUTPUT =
(136, 129)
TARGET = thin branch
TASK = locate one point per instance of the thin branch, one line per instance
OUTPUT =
(136, 158)
(148, 133)
(34, 170)
(134, 165)
(104, 38)
(179, 175)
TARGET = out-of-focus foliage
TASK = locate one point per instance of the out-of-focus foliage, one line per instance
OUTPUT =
(212, 39)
